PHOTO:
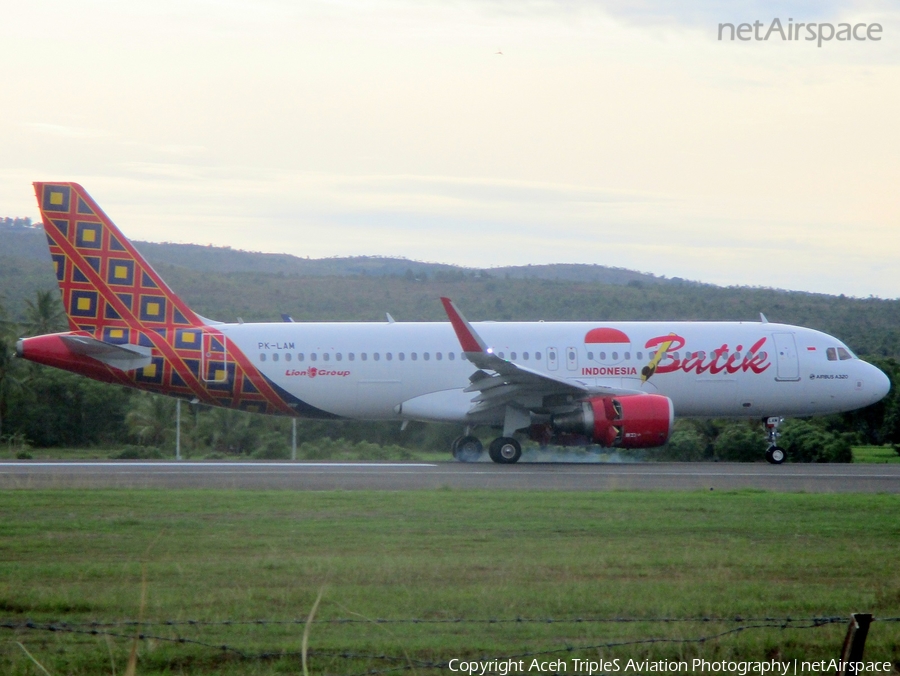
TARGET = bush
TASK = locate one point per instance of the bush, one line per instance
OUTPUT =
(686, 444)
(806, 442)
(739, 443)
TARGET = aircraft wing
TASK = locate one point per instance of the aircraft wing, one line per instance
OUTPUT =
(500, 382)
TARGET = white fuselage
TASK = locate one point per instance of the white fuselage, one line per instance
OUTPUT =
(417, 370)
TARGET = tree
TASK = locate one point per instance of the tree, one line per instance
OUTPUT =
(11, 372)
(151, 419)
(44, 315)
(880, 422)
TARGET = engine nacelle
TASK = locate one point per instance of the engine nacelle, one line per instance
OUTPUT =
(633, 421)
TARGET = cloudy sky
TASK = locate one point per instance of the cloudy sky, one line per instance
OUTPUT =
(607, 132)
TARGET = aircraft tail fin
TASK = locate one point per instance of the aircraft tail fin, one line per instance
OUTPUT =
(107, 286)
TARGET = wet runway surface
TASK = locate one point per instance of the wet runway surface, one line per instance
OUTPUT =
(868, 478)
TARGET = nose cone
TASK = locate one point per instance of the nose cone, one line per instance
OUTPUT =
(876, 384)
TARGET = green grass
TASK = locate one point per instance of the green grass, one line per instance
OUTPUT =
(878, 454)
(77, 556)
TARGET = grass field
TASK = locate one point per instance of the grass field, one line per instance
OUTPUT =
(78, 556)
(876, 454)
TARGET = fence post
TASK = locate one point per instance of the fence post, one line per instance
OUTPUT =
(178, 429)
(854, 643)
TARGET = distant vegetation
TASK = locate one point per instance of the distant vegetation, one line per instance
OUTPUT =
(45, 407)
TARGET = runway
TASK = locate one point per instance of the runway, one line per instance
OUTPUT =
(862, 478)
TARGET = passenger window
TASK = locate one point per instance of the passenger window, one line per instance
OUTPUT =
(376, 357)
(590, 355)
(451, 356)
(763, 356)
(364, 356)
(351, 356)
(438, 356)
(525, 356)
(414, 355)
(628, 355)
(275, 357)
(401, 356)
(687, 355)
(603, 356)
(325, 356)
(537, 356)
(300, 357)
(313, 356)
(640, 355)
(287, 356)
(426, 356)
(388, 356)
(512, 355)
(262, 356)
(844, 354)
(338, 356)
(615, 355)
(675, 355)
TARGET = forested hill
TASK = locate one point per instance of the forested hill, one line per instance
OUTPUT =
(22, 240)
(226, 284)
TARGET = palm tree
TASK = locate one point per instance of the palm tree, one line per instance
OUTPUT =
(152, 419)
(44, 315)
(9, 366)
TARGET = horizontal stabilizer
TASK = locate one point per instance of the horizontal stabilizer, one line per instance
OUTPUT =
(123, 357)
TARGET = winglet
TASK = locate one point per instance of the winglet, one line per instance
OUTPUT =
(468, 339)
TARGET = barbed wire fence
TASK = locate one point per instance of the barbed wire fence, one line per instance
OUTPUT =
(149, 630)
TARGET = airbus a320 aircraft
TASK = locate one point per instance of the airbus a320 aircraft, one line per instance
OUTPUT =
(616, 384)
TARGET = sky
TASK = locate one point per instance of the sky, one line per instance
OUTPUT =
(479, 133)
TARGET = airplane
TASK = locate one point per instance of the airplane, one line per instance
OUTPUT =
(613, 384)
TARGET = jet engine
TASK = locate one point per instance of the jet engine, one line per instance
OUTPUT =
(634, 421)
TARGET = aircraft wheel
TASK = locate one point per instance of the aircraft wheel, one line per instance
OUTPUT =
(467, 449)
(775, 455)
(505, 450)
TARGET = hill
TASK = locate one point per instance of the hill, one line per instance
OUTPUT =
(21, 241)
(227, 284)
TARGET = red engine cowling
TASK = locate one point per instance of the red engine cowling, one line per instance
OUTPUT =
(634, 421)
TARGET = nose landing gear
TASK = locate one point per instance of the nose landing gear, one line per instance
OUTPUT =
(775, 454)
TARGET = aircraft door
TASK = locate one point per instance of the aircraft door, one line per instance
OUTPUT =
(571, 359)
(552, 359)
(787, 361)
(214, 359)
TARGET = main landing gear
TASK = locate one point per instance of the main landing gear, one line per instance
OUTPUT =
(775, 454)
(466, 448)
(503, 450)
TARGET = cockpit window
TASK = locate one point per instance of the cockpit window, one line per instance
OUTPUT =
(844, 354)
(831, 353)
